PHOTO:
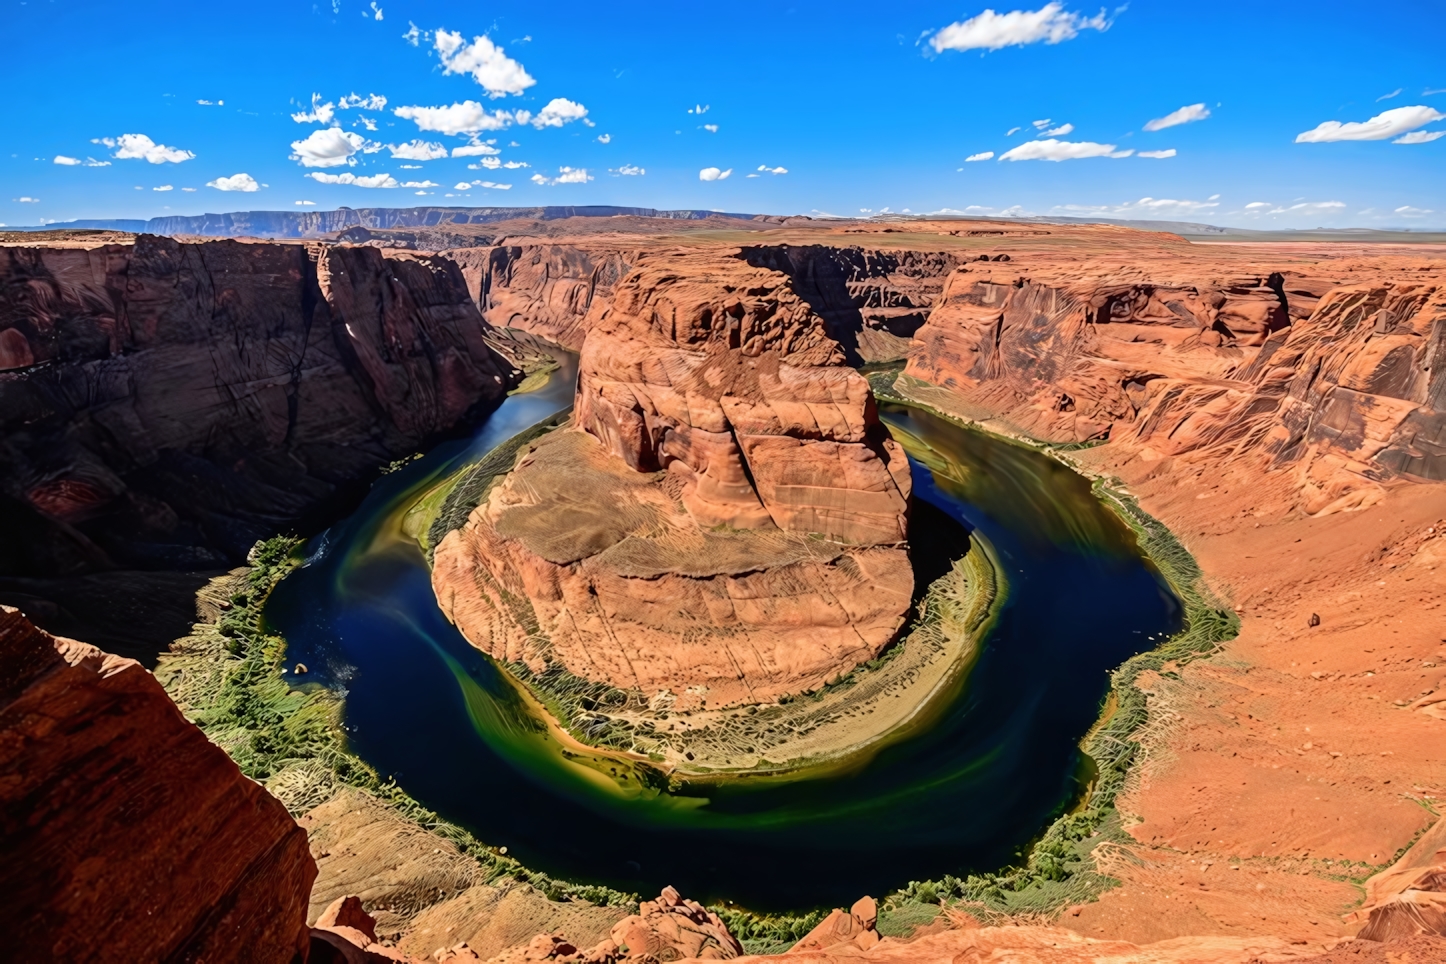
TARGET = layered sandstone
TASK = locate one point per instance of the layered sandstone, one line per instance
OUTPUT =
(730, 520)
(165, 405)
(128, 835)
(1334, 371)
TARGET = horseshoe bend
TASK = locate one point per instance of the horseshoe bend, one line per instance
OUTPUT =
(474, 577)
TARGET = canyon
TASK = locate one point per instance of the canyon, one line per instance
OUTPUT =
(166, 404)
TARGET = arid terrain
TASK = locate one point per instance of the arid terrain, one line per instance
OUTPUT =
(1281, 407)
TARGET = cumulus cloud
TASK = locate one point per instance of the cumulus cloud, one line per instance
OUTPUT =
(475, 149)
(488, 64)
(331, 147)
(413, 35)
(139, 147)
(372, 180)
(604, 138)
(1059, 131)
(1050, 149)
(319, 114)
(1170, 152)
(772, 170)
(468, 117)
(418, 150)
(713, 174)
(376, 11)
(1419, 137)
(67, 161)
(468, 185)
(236, 182)
(981, 156)
(1185, 115)
(627, 170)
(1385, 125)
(27, 200)
(558, 111)
(700, 109)
(369, 102)
(420, 184)
(711, 128)
(493, 163)
(164, 187)
(1050, 24)
(565, 175)
(189, 190)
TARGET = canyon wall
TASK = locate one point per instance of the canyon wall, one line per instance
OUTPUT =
(165, 405)
(128, 835)
(1342, 380)
(726, 523)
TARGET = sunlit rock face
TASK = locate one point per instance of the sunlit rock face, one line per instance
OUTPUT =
(725, 521)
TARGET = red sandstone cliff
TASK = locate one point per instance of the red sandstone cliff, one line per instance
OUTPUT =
(674, 543)
(128, 835)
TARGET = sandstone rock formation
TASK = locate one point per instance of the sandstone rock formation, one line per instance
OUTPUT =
(128, 835)
(842, 930)
(729, 521)
(164, 405)
(1341, 382)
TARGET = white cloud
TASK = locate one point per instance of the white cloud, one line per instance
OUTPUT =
(236, 182)
(211, 103)
(27, 200)
(604, 138)
(369, 102)
(139, 147)
(189, 190)
(558, 111)
(413, 35)
(420, 184)
(1050, 149)
(373, 180)
(1317, 206)
(1257, 205)
(713, 174)
(164, 187)
(418, 150)
(488, 64)
(772, 170)
(711, 128)
(492, 186)
(462, 186)
(468, 117)
(376, 10)
(982, 156)
(627, 170)
(700, 109)
(64, 161)
(1170, 205)
(1407, 211)
(565, 175)
(1169, 152)
(331, 147)
(366, 122)
(1185, 115)
(1012, 131)
(1394, 93)
(1051, 24)
(1384, 125)
(1419, 137)
(493, 163)
(1059, 131)
(474, 149)
(410, 167)
(319, 114)
(309, 204)
(1041, 124)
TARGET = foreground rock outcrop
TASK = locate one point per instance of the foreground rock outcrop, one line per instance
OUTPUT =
(727, 521)
(128, 835)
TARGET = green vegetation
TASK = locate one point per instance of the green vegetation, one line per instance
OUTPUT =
(230, 678)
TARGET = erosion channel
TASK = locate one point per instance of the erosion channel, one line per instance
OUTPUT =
(961, 784)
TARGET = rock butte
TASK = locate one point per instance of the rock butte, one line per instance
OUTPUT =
(1278, 405)
(727, 522)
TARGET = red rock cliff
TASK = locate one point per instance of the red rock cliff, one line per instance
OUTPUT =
(128, 835)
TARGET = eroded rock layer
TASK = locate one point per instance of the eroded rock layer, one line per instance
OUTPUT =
(1343, 381)
(165, 405)
(728, 524)
(128, 835)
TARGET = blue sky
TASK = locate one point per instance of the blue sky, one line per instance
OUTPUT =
(837, 108)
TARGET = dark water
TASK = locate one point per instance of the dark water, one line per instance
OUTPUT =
(966, 794)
